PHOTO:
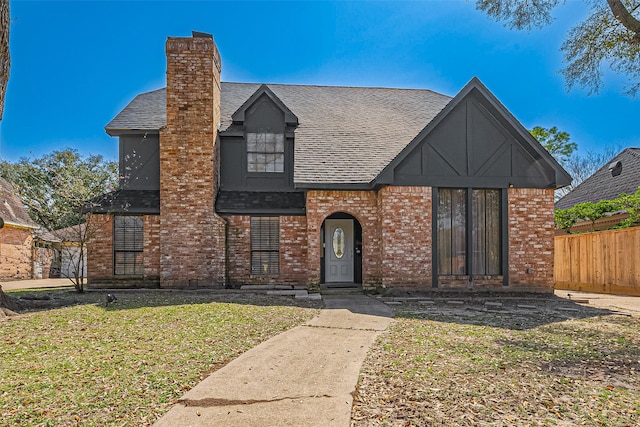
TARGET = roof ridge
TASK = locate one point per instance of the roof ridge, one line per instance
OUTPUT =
(376, 88)
(635, 152)
(409, 89)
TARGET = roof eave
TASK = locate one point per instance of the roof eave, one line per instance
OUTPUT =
(20, 225)
(122, 131)
(335, 185)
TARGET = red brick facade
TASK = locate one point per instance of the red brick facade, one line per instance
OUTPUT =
(16, 253)
(293, 252)
(406, 220)
(396, 243)
(100, 268)
(192, 236)
(531, 235)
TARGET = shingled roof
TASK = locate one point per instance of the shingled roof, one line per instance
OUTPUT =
(12, 210)
(346, 135)
(602, 185)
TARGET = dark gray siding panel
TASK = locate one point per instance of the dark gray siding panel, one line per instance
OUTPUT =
(474, 146)
(231, 162)
(264, 116)
(140, 162)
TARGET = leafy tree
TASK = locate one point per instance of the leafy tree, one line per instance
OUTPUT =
(590, 211)
(54, 189)
(610, 35)
(558, 143)
(631, 204)
(579, 165)
(564, 219)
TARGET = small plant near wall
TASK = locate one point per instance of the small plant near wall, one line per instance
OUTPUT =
(565, 219)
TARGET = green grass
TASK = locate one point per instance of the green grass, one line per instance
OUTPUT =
(126, 364)
(439, 370)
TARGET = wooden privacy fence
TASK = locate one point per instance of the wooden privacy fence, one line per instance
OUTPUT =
(604, 261)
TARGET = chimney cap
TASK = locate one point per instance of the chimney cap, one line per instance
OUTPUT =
(200, 35)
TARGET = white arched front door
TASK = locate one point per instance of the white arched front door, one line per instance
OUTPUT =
(338, 250)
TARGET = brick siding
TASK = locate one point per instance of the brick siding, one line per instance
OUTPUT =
(100, 254)
(405, 218)
(192, 236)
(16, 257)
(531, 239)
(293, 252)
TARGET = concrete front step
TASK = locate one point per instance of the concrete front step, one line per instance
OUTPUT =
(272, 288)
(340, 291)
(294, 293)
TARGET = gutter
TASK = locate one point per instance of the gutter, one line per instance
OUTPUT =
(12, 224)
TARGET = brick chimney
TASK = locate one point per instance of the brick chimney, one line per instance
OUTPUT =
(192, 236)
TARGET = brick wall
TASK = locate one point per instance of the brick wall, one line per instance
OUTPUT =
(151, 249)
(293, 249)
(531, 238)
(100, 250)
(396, 231)
(192, 236)
(405, 225)
(239, 250)
(16, 260)
(293, 252)
(363, 205)
(100, 254)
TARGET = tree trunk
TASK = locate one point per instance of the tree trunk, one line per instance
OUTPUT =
(7, 304)
(626, 18)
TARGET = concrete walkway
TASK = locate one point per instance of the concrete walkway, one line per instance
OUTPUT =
(302, 377)
(35, 284)
(606, 301)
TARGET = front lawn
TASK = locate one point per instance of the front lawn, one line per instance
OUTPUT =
(470, 368)
(126, 364)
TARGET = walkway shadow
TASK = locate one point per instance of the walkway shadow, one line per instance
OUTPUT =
(358, 304)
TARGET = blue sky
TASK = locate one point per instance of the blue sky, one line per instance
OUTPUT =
(76, 64)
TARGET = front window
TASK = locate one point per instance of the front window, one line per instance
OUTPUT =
(486, 232)
(128, 244)
(265, 152)
(265, 245)
(454, 232)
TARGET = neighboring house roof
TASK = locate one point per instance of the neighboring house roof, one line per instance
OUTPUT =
(68, 234)
(12, 209)
(602, 185)
(345, 135)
